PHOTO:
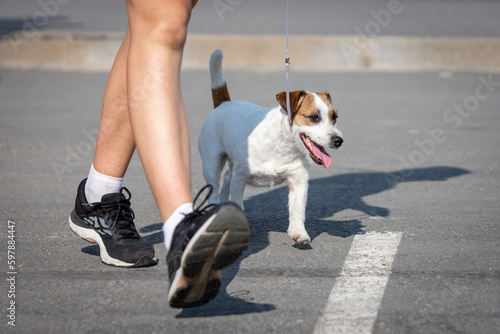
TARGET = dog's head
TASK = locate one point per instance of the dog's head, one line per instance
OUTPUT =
(314, 123)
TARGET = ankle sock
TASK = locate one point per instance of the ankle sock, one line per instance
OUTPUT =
(173, 221)
(98, 185)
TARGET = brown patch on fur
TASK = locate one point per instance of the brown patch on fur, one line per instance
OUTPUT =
(296, 100)
(332, 113)
(303, 106)
(307, 109)
(220, 94)
(325, 96)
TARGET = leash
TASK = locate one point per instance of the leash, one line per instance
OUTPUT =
(287, 64)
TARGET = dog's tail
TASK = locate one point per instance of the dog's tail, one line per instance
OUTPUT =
(220, 92)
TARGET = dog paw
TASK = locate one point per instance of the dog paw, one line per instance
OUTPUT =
(301, 239)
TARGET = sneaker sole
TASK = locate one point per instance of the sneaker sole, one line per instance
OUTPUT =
(217, 244)
(88, 233)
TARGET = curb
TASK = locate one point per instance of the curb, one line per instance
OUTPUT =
(95, 52)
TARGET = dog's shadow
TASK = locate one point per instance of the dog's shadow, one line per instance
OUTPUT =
(268, 212)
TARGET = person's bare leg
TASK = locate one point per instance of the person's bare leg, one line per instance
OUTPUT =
(157, 35)
(115, 141)
(114, 148)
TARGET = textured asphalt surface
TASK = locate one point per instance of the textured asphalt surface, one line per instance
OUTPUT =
(446, 273)
(340, 17)
(413, 161)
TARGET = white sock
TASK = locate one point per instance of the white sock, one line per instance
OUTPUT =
(173, 221)
(98, 185)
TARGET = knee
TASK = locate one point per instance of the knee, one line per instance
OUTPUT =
(166, 25)
(172, 33)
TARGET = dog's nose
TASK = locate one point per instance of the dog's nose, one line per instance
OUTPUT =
(337, 141)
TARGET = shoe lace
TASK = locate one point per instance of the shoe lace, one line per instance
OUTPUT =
(198, 210)
(120, 214)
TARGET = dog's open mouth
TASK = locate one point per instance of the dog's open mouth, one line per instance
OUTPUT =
(317, 152)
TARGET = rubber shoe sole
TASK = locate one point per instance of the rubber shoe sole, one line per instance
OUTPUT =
(217, 244)
(87, 233)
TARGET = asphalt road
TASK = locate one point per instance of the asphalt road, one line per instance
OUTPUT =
(341, 17)
(420, 160)
(445, 275)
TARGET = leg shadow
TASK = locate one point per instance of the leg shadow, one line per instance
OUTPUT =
(268, 212)
(236, 303)
(154, 238)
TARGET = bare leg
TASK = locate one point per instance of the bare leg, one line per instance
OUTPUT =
(115, 142)
(157, 35)
(158, 32)
(143, 109)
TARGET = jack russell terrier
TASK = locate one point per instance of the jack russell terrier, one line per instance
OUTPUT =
(262, 147)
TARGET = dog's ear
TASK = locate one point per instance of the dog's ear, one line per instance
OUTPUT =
(327, 95)
(295, 101)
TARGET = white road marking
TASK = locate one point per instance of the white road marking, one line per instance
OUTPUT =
(356, 296)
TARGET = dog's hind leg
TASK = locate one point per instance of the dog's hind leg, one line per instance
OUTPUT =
(225, 189)
(237, 188)
(212, 169)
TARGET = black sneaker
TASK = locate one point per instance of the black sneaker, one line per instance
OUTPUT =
(206, 241)
(110, 224)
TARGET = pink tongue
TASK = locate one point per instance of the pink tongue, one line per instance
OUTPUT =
(320, 152)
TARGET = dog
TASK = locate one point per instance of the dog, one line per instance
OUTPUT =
(262, 147)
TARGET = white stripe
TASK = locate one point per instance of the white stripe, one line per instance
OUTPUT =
(356, 296)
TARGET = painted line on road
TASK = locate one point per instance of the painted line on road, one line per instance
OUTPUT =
(357, 294)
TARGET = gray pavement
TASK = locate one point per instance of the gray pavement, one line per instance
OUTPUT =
(470, 18)
(445, 276)
(420, 157)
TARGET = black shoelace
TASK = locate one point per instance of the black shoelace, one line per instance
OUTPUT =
(198, 210)
(120, 214)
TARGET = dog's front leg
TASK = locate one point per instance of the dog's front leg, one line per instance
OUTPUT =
(297, 199)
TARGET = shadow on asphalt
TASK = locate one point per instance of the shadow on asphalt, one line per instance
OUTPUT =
(268, 212)
(327, 196)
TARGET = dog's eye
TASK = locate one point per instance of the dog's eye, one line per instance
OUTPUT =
(334, 117)
(314, 118)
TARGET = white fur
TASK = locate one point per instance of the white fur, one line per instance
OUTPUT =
(260, 149)
(216, 73)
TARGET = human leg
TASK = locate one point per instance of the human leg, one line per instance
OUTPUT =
(115, 140)
(109, 220)
(131, 91)
(204, 240)
(157, 35)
